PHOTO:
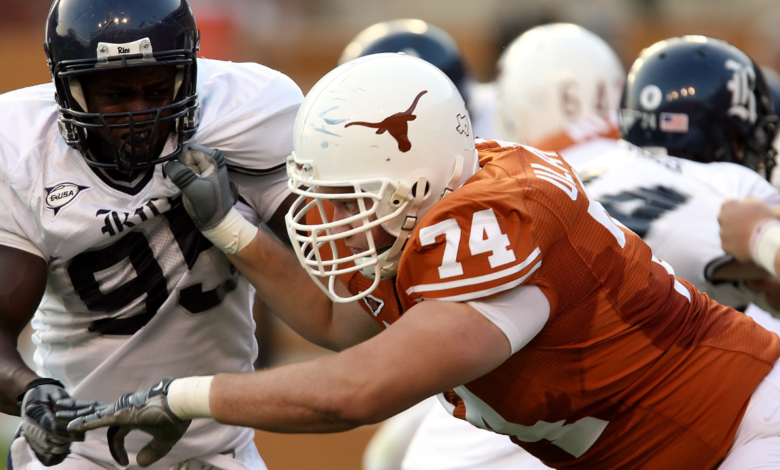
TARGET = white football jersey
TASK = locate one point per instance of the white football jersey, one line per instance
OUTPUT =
(673, 204)
(135, 293)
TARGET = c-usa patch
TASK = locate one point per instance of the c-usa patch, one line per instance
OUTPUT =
(61, 195)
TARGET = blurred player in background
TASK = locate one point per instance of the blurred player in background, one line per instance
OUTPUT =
(703, 108)
(429, 42)
(773, 81)
(132, 290)
(559, 86)
(525, 307)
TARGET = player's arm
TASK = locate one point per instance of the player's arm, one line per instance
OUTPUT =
(750, 231)
(288, 290)
(22, 282)
(269, 265)
(434, 347)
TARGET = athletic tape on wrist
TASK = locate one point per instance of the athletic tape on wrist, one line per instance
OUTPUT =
(188, 398)
(233, 233)
(764, 243)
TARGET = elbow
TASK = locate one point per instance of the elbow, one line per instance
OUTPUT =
(359, 407)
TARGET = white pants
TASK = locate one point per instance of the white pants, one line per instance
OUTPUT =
(757, 443)
(246, 458)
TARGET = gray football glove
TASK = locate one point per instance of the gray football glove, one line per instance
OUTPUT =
(146, 410)
(201, 174)
(47, 436)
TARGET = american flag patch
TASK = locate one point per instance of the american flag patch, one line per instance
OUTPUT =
(674, 122)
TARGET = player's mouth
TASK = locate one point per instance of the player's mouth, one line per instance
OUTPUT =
(139, 143)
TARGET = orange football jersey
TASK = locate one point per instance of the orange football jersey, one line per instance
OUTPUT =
(633, 369)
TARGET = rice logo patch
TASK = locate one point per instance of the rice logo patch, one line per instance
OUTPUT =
(61, 195)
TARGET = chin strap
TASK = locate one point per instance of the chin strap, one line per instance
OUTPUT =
(388, 261)
(456, 174)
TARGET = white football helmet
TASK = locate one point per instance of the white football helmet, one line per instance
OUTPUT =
(394, 131)
(553, 76)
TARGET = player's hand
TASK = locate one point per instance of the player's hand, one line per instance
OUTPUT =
(47, 436)
(201, 174)
(146, 410)
(737, 220)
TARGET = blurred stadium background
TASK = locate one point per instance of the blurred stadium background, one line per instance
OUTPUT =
(304, 39)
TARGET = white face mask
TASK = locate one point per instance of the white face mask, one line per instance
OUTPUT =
(315, 243)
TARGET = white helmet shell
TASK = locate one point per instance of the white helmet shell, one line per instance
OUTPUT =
(553, 76)
(377, 126)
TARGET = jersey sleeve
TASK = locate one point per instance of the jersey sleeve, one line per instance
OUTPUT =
(263, 194)
(19, 228)
(738, 181)
(519, 313)
(248, 112)
(13, 231)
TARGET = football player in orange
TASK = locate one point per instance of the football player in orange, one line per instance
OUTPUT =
(525, 307)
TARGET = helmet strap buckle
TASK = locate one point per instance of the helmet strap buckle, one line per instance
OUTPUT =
(410, 220)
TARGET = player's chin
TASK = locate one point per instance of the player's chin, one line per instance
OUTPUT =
(357, 250)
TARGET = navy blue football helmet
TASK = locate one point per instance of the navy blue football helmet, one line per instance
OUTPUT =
(416, 38)
(93, 36)
(702, 99)
(773, 81)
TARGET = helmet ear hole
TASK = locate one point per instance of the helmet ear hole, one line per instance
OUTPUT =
(427, 190)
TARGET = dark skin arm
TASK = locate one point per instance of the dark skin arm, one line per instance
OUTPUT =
(22, 282)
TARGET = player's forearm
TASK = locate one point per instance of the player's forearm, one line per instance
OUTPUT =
(420, 356)
(294, 399)
(14, 376)
(275, 272)
(22, 282)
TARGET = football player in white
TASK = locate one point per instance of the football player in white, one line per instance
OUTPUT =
(745, 224)
(706, 104)
(93, 230)
(559, 85)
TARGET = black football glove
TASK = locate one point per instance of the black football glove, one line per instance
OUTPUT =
(201, 174)
(146, 410)
(47, 436)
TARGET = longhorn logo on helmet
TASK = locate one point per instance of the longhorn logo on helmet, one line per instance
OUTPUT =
(396, 125)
